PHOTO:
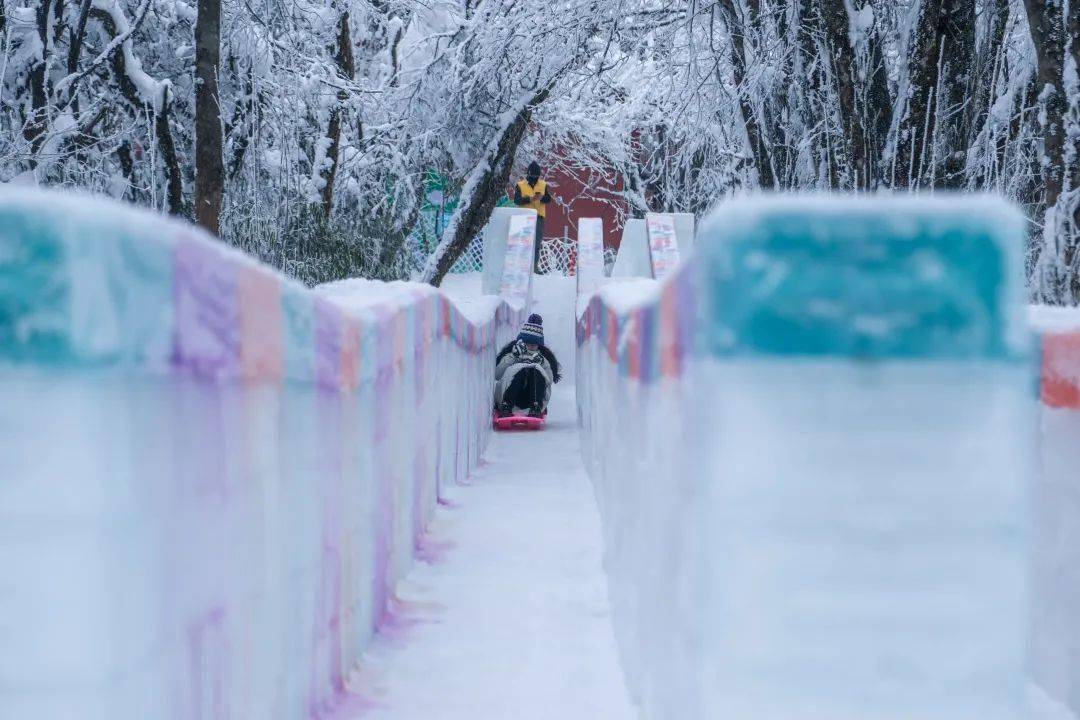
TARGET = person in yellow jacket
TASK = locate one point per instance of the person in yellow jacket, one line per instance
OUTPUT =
(532, 192)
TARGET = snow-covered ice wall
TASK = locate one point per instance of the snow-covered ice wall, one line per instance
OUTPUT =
(1055, 636)
(210, 478)
(811, 449)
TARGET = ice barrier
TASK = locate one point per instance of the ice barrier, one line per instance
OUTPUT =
(811, 455)
(495, 239)
(590, 256)
(1055, 636)
(663, 244)
(633, 257)
(210, 478)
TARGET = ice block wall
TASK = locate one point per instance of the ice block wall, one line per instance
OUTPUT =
(211, 478)
(1055, 636)
(812, 455)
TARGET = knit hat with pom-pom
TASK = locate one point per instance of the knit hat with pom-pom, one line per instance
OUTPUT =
(533, 330)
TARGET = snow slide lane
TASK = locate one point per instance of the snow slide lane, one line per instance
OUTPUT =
(510, 618)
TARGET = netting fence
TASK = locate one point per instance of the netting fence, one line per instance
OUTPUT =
(558, 255)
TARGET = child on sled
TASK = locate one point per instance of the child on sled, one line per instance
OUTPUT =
(525, 370)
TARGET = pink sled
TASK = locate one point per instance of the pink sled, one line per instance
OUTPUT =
(518, 422)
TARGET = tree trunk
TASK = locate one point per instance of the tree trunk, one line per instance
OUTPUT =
(782, 100)
(836, 25)
(34, 130)
(915, 121)
(985, 66)
(813, 108)
(939, 80)
(127, 165)
(878, 111)
(343, 56)
(987, 72)
(245, 123)
(1046, 20)
(173, 186)
(209, 167)
(956, 29)
(162, 125)
(77, 34)
(485, 184)
(1047, 32)
(758, 148)
(1074, 32)
(772, 132)
(391, 247)
(75, 43)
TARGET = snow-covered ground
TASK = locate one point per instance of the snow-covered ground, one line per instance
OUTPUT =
(510, 618)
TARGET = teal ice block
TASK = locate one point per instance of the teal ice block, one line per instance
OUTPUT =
(873, 278)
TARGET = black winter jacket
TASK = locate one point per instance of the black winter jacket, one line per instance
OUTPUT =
(544, 350)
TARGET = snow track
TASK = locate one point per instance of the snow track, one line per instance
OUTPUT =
(509, 618)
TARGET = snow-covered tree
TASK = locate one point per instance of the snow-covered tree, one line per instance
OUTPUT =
(333, 114)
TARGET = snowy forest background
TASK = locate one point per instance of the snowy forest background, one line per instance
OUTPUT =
(304, 131)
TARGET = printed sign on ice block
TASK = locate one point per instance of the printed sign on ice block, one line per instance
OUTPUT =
(663, 245)
(518, 267)
(494, 257)
(590, 270)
